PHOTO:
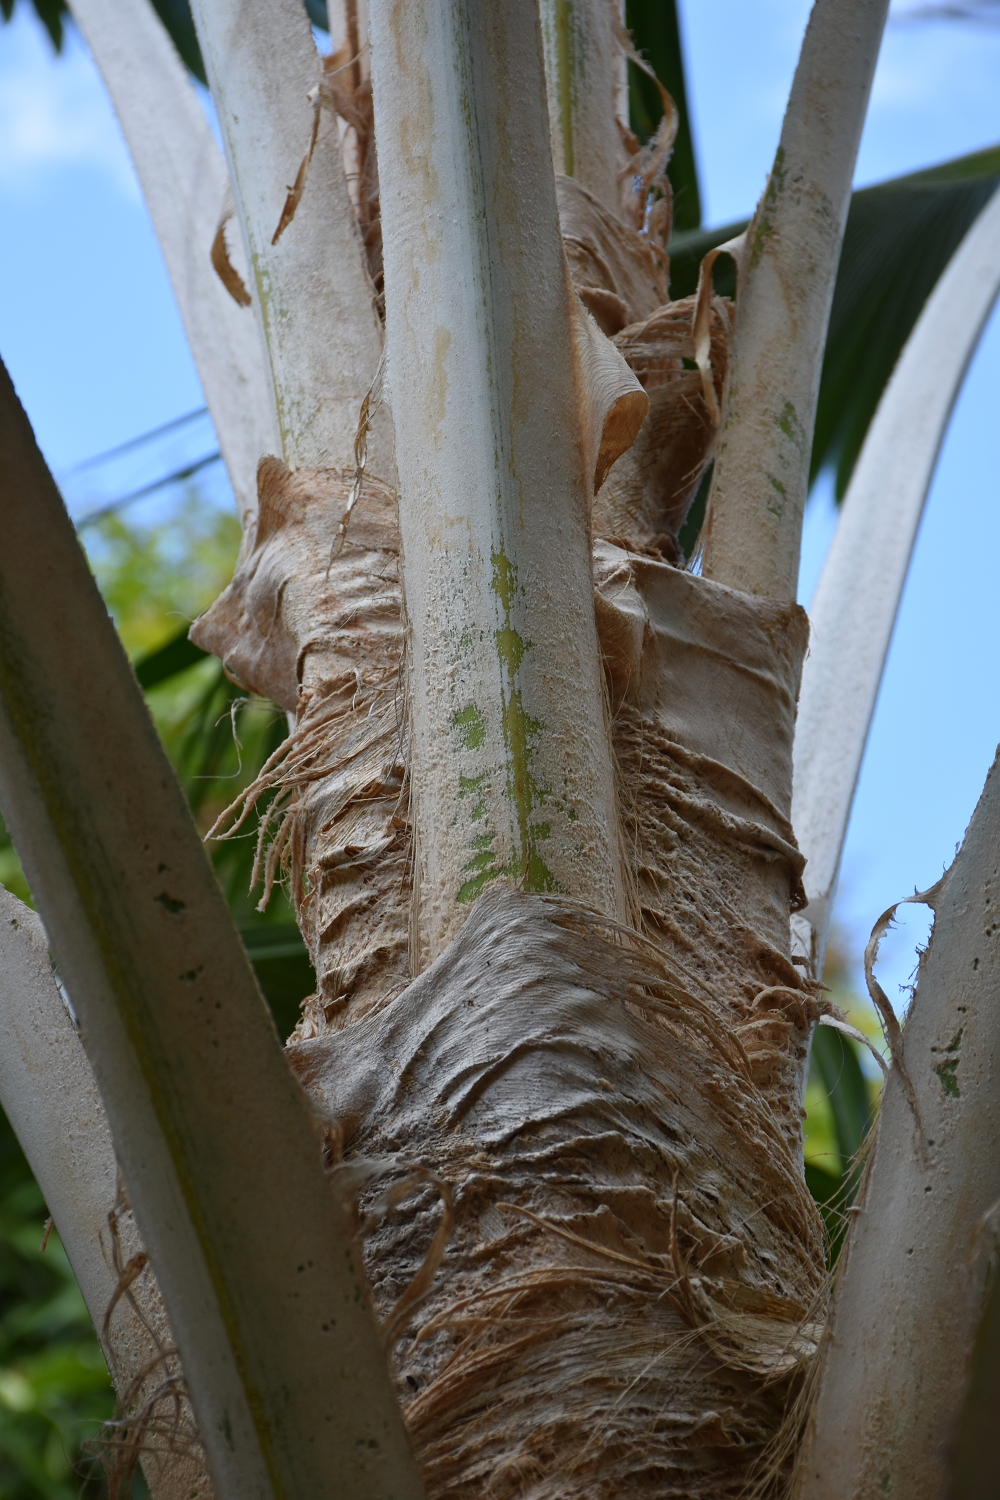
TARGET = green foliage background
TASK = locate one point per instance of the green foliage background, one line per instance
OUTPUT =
(54, 1388)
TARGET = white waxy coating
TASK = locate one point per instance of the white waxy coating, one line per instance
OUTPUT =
(51, 1100)
(312, 292)
(511, 769)
(184, 182)
(787, 272)
(910, 1293)
(854, 611)
(585, 82)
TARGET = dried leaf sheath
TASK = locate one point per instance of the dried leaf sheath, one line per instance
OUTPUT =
(716, 866)
(635, 1267)
(649, 492)
(621, 277)
(326, 638)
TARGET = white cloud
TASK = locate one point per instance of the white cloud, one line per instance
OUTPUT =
(54, 110)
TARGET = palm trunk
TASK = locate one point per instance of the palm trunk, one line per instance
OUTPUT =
(633, 1279)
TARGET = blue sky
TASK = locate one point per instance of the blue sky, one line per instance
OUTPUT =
(91, 336)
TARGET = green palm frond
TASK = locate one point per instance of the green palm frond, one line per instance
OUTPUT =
(900, 236)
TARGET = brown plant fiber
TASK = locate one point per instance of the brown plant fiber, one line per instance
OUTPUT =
(154, 1422)
(649, 492)
(622, 277)
(704, 684)
(325, 637)
(630, 1285)
(633, 1284)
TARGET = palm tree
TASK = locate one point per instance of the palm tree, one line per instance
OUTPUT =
(543, 1226)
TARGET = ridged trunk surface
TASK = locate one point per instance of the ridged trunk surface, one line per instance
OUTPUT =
(633, 1276)
(576, 1148)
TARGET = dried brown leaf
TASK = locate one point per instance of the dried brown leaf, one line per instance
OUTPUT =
(222, 265)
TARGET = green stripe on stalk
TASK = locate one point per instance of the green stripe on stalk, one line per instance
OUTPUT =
(511, 766)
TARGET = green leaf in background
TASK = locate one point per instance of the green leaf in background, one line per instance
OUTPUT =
(835, 1058)
(834, 1064)
(54, 1388)
(900, 236)
(317, 13)
(176, 17)
(49, 12)
(175, 656)
(840, 1100)
(656, 36)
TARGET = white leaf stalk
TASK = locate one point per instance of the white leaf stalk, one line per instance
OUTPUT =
(184, 182)
(221, 1158)
(585, 73)
(51, 1100)
(311, 290)
(862, 582)
(910, 1296)
(785, 287)
(494, 373)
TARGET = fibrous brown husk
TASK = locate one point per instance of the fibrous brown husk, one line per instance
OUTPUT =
(621, 276)
(634, 1281)
(704, 682)
(325, 637)
(648, 493)
(630, 1287)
